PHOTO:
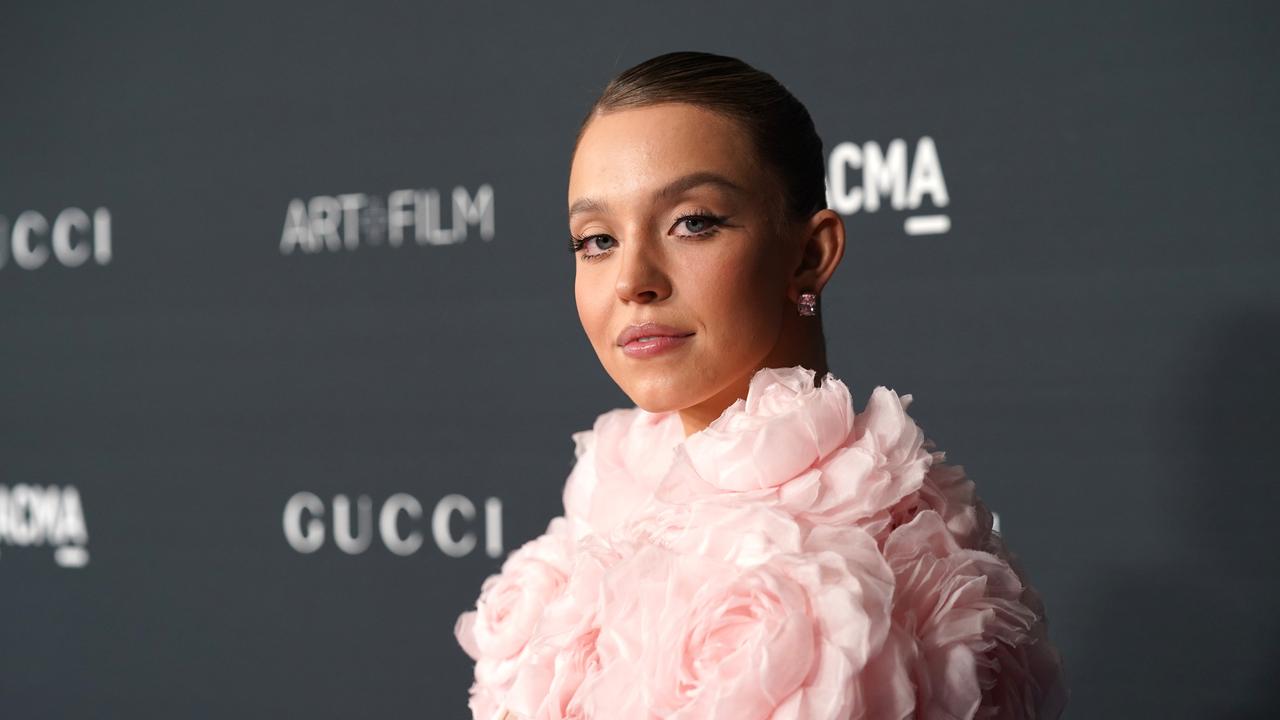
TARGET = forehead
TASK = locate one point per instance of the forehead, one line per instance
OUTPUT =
(629, 154)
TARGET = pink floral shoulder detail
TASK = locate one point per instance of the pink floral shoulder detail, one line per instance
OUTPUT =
(794, 560)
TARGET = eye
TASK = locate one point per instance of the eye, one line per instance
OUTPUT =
(700, 223)
(603, 243)
(598, 239)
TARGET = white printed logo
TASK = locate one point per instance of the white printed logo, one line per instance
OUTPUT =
(345, 222)
(71, 240)
(858, 176)
(353, 531)
(32, 516)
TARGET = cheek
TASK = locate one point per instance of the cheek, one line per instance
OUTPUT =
(592, 309)
(735, 297)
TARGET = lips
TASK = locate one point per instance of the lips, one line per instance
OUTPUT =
(649, 329)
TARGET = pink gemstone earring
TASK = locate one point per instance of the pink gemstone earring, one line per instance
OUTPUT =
(808, 304)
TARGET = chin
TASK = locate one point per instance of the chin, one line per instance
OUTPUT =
(657, 395)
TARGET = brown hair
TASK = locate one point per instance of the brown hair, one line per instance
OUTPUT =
(777, 123)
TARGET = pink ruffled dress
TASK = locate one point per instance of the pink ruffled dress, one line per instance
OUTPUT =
(794, 560)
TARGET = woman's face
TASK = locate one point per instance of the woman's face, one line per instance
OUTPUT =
(674, 217)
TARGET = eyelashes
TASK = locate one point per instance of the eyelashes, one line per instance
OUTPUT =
(715, 222)
(576, 244)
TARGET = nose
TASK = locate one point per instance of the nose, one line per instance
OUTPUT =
(642, 276)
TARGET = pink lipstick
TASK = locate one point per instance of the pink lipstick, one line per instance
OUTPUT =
(648, 339)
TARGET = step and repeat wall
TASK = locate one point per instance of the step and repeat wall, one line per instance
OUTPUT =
(289, 357)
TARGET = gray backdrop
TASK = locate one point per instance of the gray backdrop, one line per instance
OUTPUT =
(289, 358)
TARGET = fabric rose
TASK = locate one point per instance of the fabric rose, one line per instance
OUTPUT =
(846, 468)
(620, 461)
(861, 482)
(735, 533)
(685, 635)
(784, 425)
(482, 702)
(574, 666)
(1028, 680)
(959, 624)
(511, 604)
(561, 656)
(794, 560)
(949, 492)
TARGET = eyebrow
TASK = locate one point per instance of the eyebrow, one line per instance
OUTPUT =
(671, 189)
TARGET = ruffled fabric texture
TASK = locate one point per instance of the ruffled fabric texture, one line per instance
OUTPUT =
(794, 560)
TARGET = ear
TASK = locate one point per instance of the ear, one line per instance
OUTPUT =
(822, 247)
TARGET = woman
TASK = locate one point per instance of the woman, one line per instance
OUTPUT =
(742, 543)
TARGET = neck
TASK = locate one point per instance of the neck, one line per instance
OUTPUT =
(801, 343)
